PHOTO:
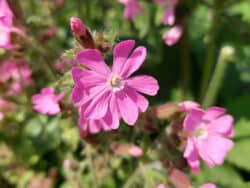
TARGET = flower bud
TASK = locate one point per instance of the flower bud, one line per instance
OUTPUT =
(179, 179)
(166, 110)
(81, 33)
(77, 26)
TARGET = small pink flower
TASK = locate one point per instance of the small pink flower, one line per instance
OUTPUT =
(208, 185)
(173, 35)
(187, 106)
(112, 94)
(77, 26)
(132, 8)
(46, 102)
(6, 25)
(208, 132)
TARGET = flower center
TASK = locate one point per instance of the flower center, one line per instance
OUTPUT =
(200, 132)
(115, 81)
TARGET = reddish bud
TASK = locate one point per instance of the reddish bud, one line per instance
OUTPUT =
(81, 33)
(77, 26)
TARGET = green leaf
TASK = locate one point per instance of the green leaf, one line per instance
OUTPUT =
(221, 175)
(239, 156)
(242, 128)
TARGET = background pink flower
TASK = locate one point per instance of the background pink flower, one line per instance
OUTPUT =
(173, 35)
(103, 90)
(208, 136)
(46, 102)
(132, 8)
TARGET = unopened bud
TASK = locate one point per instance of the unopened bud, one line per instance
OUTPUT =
(81, 33)
(77, 26)
(179, 179)
(166, 110)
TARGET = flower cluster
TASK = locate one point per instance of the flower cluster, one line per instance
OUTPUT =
(104, 95)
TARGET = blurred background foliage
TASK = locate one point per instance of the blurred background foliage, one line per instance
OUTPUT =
(41, 151)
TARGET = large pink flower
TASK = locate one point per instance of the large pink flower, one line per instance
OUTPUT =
(6, 25)
(46, 102)
(111, 94)
(208, 133)
(132, 8)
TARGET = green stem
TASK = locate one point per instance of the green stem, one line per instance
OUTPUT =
(217, 78)
(211, 49)
(185, 65)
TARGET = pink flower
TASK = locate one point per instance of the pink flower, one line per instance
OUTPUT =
(111, 94)
(46, 102)
(207, 132)
(187, 106)
(173, 35)
(6, 25)
(132, 8)
(208, 185)
(5, 107)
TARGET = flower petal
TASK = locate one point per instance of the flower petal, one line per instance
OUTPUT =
(127, 108)
(217, 147)
(134, 61)
(115, 112)
(191, 154)
(193, 119)
(77, 95)
(121, 53)
(213, 113)
(223, 125)
(93, 60)
(139, 100)
(144, 84)
(97, 108)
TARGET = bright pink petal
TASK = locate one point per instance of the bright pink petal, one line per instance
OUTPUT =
(77, 73)
(144, 84)
(121, 53)
(93, 60)
(191, 154)
(193, 119)
(77, 95)
(217, 147)
(223, 125)
(134, 62)
(98, 106)
(173, 35)
(127, 108)
(213, 112)
(140, 101)
(115, 112)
